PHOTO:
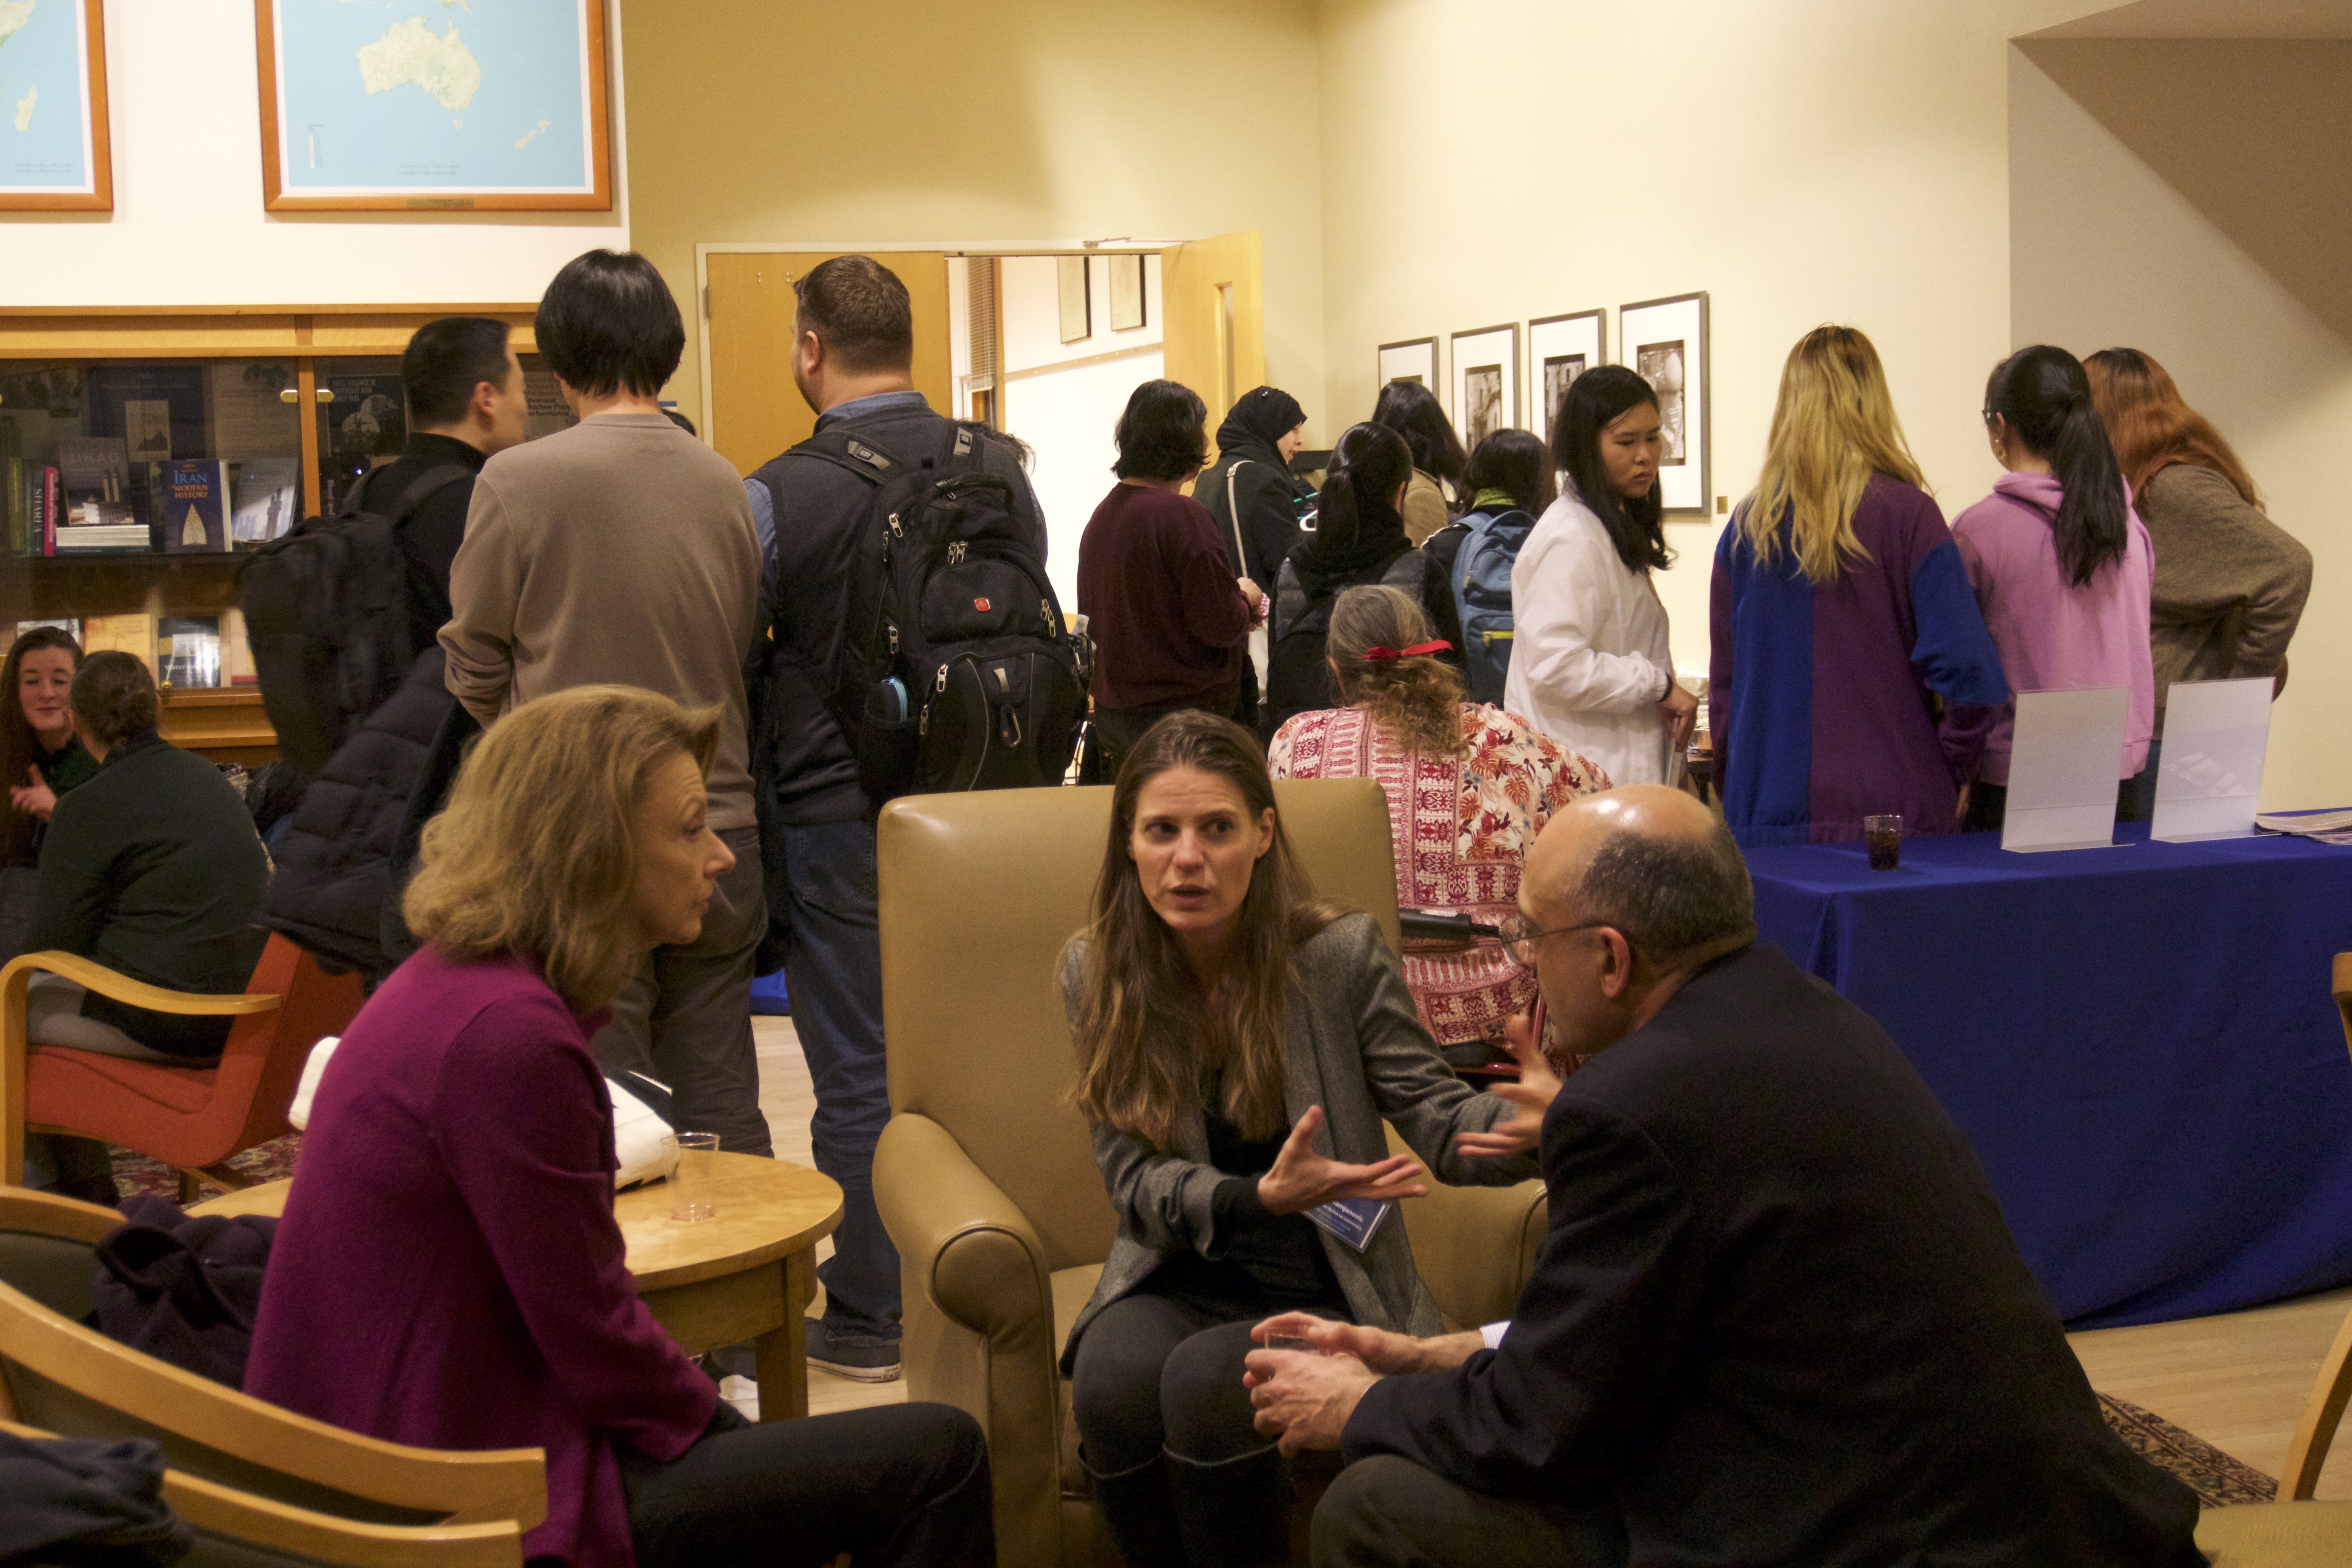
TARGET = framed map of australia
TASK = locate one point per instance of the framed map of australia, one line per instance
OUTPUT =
(53, 142)
(426, 105)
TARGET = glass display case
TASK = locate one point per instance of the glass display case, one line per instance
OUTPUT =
(144, 454)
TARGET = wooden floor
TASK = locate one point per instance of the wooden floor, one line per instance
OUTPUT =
(2237, 1381)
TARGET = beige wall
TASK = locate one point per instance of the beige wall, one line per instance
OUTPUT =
(2184, 198)
(188, 226)
(1019, 120)
(1803, 162)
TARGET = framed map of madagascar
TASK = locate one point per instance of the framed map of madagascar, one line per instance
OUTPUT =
(53, 140)
(433, 105)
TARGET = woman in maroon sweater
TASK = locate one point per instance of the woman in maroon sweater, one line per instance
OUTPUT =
(1169, 620)
(449, 1272)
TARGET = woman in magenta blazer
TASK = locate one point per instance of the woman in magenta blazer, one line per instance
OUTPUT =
(449, 1272)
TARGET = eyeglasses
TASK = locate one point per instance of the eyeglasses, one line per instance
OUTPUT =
(1519, 943)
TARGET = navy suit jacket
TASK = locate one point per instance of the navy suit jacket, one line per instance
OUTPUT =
(1777, 1318)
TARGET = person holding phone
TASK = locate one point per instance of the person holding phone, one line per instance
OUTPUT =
(1239, 1045)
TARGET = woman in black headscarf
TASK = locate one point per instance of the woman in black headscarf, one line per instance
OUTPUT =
(1359, 539)
(1260, 506)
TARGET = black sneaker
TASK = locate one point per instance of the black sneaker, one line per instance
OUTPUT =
(860, 1363)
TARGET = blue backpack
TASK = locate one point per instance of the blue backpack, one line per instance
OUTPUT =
(1482, 596)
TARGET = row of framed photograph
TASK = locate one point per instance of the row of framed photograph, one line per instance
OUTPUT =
(362, 107)
(1494, 385)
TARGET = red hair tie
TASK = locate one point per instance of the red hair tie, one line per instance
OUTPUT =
(1390, 655)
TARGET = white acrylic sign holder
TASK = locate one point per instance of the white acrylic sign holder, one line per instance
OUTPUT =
(2209, 775)
(2062, 769)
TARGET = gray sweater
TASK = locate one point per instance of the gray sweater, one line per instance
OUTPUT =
(618, 552)
(2229, 582)
(1354, 1048)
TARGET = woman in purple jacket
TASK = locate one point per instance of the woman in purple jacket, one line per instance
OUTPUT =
(449, 1272)
(2061, 568)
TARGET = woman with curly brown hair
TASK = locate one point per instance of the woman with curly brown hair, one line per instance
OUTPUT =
(1469, 786)
(1239, 1043)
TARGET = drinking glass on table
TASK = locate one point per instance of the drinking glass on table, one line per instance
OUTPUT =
(1884, 836)
(693, 1167)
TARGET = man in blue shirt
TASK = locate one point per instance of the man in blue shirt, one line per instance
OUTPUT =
(852, 359)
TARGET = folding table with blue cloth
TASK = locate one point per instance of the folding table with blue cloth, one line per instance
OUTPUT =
(2139, 1041)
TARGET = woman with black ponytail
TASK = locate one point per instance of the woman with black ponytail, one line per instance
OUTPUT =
(1359, 540)
(2061, 565)
(1590, 664)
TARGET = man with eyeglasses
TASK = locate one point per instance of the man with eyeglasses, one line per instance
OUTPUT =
(1776, 1318)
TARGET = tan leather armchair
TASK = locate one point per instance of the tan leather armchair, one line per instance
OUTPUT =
(984, 1176)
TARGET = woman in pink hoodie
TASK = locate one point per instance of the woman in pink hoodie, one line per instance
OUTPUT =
(2061, 568)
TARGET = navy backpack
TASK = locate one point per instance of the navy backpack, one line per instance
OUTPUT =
(1482, 596)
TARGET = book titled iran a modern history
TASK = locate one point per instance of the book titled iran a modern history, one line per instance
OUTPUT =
(193, 505)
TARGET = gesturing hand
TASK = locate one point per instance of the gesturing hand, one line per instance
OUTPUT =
(35, 797)
(1532, 1094)
(1302, 1179)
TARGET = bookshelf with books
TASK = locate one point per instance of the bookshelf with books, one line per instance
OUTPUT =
(145, 453)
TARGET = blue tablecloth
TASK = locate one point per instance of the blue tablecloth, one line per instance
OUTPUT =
(2139, 1041)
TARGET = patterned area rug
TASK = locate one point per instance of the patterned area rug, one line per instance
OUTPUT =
(2216, 1478)
(265, 1162)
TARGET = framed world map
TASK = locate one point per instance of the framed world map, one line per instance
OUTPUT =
(53, 132)
(426, 105)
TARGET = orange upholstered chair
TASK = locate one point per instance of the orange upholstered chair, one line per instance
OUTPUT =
(191, 1118)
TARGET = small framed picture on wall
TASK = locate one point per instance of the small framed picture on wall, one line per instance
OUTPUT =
(1126, 292)
(1664, 341)
(1560, 348)
(54, 147)
(1415, 360)
(1486, 382)
(1077, 309)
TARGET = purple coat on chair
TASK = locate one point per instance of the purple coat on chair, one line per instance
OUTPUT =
(449, 1272)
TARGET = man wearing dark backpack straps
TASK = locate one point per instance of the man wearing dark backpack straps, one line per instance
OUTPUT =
(846, 726)
(464, 396)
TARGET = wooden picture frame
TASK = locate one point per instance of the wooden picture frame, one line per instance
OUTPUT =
(92, 188)
(1485, 384)
(1664, 342)
(1073, 290)
(399, 64)
(1126, 291)
(1559, 348)
(1415, 360)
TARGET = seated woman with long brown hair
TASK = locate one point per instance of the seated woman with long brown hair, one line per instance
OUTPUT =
(1239, 1045)
(448, 1271)
(1469, 787)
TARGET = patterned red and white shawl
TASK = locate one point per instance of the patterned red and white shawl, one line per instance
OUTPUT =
(1461, 827)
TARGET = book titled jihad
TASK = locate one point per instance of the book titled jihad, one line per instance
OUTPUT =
(193, 505)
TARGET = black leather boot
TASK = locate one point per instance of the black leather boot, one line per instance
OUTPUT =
(1134, 1508)
(1234, 1513)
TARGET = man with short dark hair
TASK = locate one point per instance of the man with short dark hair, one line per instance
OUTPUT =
(1776, 1318)
(852, 358)
(151, 868)
(621, 551)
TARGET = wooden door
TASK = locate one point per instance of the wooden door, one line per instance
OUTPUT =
(756, 410)
(1215, 315)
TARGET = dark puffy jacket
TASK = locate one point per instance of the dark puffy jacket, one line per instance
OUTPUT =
(334, 870)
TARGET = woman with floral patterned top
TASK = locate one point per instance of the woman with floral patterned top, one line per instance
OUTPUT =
(1469, 787)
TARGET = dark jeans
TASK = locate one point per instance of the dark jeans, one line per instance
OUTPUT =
(684, 1017)
(1182, 1475)
(1116, 729)
(897, 1484)
(834, 975)
(1388, 1513)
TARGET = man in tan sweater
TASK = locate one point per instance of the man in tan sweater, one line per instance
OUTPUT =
(621, 551)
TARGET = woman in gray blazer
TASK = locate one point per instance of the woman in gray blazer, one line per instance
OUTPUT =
(1239, 1043)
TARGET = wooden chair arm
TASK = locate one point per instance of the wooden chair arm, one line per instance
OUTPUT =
(138, 992)
(2307, 1455)
(51, 1214)
(265, 1521)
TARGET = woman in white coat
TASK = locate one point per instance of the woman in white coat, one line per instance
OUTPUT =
(1590, 664)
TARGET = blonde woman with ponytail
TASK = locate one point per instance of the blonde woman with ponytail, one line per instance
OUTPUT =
(1469, 786)
(1841, 612)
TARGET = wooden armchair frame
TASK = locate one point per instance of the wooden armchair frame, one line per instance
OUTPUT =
(192, 1117)
(264, 1521)
(92, 1386)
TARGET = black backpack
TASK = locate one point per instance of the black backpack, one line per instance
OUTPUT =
(328, 612)
(953, 671)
